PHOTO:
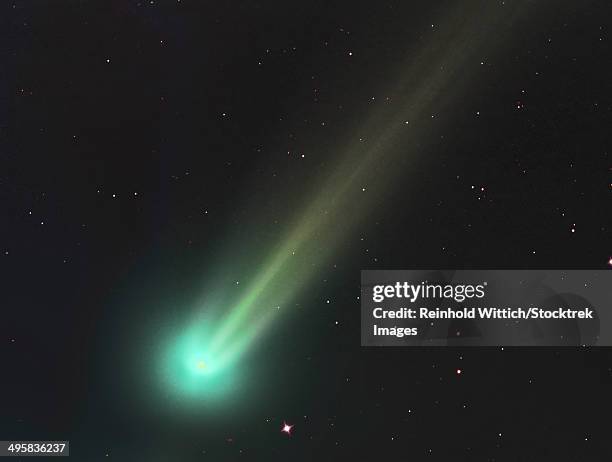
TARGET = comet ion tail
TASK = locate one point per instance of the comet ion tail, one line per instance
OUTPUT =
(224, 334)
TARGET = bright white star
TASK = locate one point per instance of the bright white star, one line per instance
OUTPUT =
(287, 428)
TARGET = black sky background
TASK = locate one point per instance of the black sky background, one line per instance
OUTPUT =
(128, 99)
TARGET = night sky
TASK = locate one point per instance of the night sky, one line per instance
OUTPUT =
(167, 161)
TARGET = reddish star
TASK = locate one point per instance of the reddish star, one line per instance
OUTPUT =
(287, 428)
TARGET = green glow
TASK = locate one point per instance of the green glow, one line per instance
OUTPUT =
(191, 371)
(355, 183)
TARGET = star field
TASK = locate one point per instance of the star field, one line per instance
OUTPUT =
(165, 155)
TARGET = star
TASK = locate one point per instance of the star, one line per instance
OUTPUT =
(287, 428)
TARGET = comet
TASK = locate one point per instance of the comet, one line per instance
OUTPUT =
(203, 359)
